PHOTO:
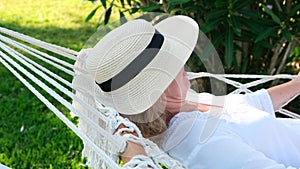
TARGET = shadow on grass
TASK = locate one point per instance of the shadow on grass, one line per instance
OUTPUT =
(70, 38)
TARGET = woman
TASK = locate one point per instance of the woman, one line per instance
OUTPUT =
(247, 135)
(138, 70)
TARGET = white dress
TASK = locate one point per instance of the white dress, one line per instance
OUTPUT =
(243, 135)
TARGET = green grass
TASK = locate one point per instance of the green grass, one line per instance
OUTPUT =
(31, 136)
(57, 21)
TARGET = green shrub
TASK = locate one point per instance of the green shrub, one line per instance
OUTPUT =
(251, 36)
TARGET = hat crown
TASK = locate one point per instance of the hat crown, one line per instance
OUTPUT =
(119, 48)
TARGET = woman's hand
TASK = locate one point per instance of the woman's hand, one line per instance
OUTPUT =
(132, 149)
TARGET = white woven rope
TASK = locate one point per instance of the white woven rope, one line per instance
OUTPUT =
(141, 162)
(221, 77)
(289, 113)
(159, 156)
(245, 87)
(47, 56)
(241, 87)
(59, 98)
(71, 54)
(47, 60)
(290, 100)
(20, 57)
(116, 142)
(7, 48)
(154, 154)
(59, 114)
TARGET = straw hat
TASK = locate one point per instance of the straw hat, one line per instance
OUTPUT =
(133, 64)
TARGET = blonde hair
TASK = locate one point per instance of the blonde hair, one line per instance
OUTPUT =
(153, 122)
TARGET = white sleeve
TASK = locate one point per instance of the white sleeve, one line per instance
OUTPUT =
(261, 100)
(228, 153)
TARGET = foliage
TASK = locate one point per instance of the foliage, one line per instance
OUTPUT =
(253, 36)
(295, 55)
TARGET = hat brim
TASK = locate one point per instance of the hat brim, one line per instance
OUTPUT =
(139, 94)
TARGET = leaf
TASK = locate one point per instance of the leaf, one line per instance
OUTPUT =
(122, 3)
(218, 38)
(103, 3)
(177, 2)
(266, 44)
(107, 15)
(252, 26)
(129, 2)
(247, 36)
(258, 50)
(266, 33)
(294, 11)
(90, 16)
(208, 26)
(134, 10)
(217, 13)
(229, 47)
(248, 13)
(150, 8)
(238, 4)
(236, 25)
(275, 18)
(286, 33)
(191, 8)
(220, 3)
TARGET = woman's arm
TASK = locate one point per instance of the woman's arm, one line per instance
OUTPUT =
(282, 93)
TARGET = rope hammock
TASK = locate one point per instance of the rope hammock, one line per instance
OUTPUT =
(42, 66)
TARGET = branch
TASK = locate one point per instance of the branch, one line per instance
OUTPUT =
(289, 49)
(278, 5)
(275, 56)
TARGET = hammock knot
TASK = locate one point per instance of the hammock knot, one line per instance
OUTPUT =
(140, 162)
(243, 88)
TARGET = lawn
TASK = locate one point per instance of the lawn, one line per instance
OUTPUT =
(31, 136)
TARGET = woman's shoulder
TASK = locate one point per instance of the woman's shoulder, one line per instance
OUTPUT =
(180, 127)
